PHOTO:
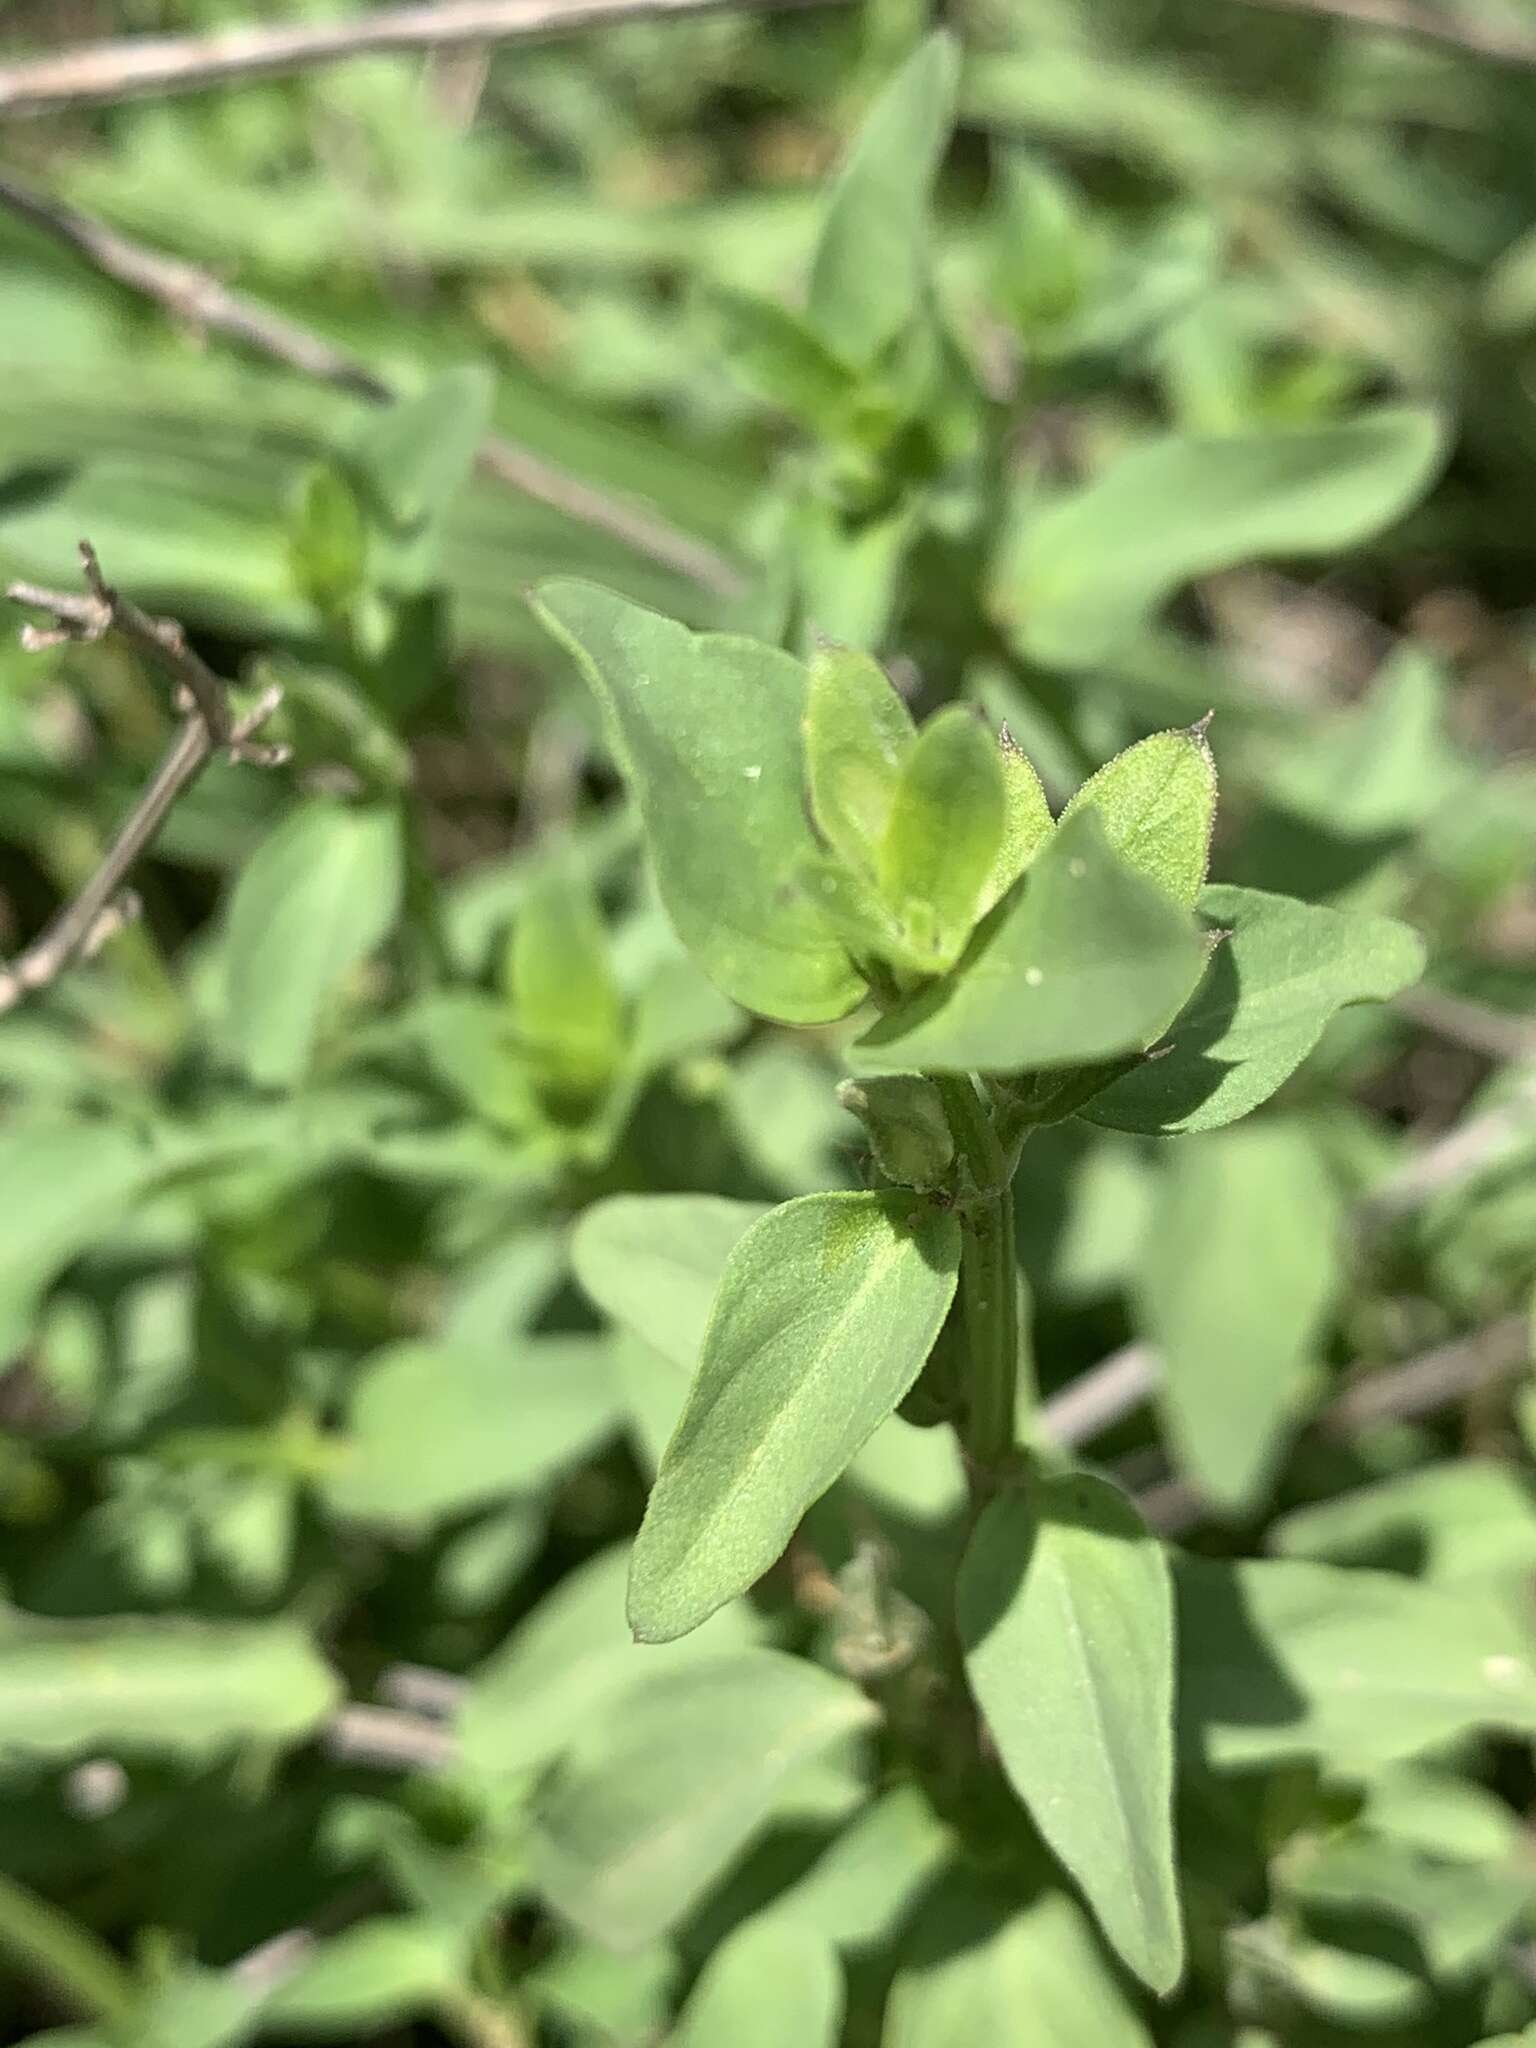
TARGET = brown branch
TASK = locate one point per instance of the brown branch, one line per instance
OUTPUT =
(198, 298)
(1454, 1159)
(1496, 1034)
(104, 905)
(98, 73)
(1502, 40)
(388, 1739)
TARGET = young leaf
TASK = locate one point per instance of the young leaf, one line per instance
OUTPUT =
(1084, 575)
(909, 1135)
(707, 727)
(1238, 1334)
(1085, 960)
(138, 1686)
(1027, 822)
(315, 899)
(653, 1803)
(857, 731)
(565, 1001)
(1157, 804)
(1066, 1613)
(654, 1263)
(1272, 985)
(976, 1970)
(943, 837)
(870, 270)
(772, 1982)
(826, 1311)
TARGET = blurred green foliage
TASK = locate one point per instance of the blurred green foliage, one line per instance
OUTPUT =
(1146, 357)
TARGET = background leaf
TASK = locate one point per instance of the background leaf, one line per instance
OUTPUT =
(1085, 573)
(1239, 1337)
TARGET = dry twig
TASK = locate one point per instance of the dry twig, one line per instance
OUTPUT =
(202, 302)
(1492, 33)
(99, 73)
(209, 727)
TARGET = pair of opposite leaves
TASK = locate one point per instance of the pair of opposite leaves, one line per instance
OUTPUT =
(913, 839)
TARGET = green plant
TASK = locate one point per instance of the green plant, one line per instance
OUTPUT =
(668, 1094)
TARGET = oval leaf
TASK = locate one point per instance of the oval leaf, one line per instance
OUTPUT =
(1283, 971)
(1085, 574)
(314, 900)
(707, 727)
(1066, 1613)
(826, 1312)
(1085, 960)
(1238, 1335)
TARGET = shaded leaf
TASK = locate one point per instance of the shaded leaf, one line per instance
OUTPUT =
(1239, 1334)
(650, 1807)
(871, 261)
(1281, 1660)
(974, 1970)
(435, 1428)
(653, 1263)
(774, 1980)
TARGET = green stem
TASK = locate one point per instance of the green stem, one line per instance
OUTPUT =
(73, 1961)
(989, 1288)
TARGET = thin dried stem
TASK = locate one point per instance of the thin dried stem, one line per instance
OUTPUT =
(100, 73)
(389, 1739)
(1496, 1034)
(105, 904)
(198, 299)
(1493, 33)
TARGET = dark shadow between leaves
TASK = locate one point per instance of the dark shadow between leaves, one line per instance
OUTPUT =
(1174, 1083)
